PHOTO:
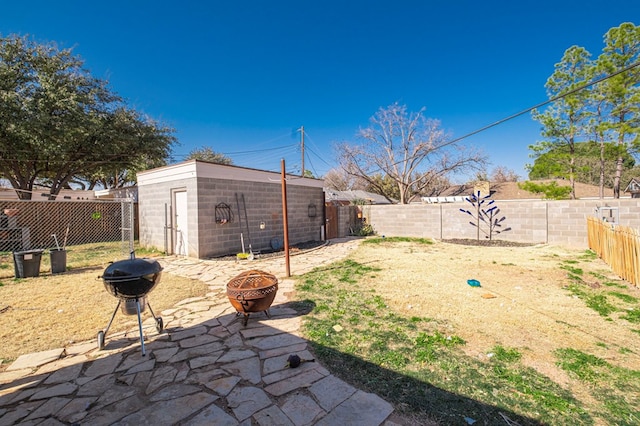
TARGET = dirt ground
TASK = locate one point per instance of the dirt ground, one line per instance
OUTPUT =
(54, 311)
(521, 302)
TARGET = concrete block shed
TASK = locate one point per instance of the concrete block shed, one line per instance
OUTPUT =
(205, 210)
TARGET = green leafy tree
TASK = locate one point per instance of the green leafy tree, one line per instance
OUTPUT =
(621, 93)
(208, 154)
(588, 162)
(564, 121)
(58, 124)
(383, 185)
(551, 191)
(404, 147)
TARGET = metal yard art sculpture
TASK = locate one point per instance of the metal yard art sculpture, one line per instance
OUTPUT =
(489, 217)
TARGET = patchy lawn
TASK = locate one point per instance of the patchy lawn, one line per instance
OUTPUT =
(551, 335)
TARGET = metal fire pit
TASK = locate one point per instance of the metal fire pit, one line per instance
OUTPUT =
(252, 291)
(130, 281)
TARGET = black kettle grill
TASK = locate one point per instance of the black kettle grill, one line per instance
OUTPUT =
(131, 280)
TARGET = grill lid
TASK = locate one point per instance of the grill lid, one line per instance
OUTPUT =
(132, 277)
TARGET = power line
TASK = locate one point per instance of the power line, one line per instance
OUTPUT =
(553, 99)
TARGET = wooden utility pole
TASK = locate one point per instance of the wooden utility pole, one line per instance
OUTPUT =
(302, 149)
(285, 220)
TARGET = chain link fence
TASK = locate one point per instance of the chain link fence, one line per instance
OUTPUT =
(56, 225)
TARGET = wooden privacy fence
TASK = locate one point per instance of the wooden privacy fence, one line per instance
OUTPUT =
(618, 246)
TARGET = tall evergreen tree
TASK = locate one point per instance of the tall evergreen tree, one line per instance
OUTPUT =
(564, 121)
(621, 93)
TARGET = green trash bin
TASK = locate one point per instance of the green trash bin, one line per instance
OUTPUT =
(58, 261)
(27, 263)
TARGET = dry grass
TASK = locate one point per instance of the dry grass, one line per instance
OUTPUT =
(53, 311)
(524, 301)
(551, 334)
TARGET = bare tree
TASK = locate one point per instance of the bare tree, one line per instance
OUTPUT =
(338, 179)
(503, 174)
(409, 148)
(431, 185)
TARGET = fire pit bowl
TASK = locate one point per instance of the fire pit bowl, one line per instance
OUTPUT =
(252, 291)
(132, 278)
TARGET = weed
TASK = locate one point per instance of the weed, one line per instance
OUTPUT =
(381, 240)
(505, 354)
(597, 275)
(600, 304)
(632, 316)
(624, 297)
(613, 284)
(618, 388)
(572, 270)
(584, 366)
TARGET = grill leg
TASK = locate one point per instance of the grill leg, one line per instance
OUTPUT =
(112, 317)
(144, 353)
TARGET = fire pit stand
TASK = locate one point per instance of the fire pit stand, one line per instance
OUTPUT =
(130, 281)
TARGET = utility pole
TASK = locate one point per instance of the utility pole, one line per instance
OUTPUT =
(285, 218)
(302, 149)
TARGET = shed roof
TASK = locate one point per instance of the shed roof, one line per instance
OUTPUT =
(198, 168)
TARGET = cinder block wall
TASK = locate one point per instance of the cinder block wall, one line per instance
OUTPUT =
(345, 220)
(302, 227)
(153, 199)
(532, 221)
(263, 202)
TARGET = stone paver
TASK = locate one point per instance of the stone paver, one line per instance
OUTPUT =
(36, 359)
(205, 368)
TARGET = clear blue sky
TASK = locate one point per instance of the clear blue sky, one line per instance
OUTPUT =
(241, 76)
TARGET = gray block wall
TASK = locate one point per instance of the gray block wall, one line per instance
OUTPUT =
(532, 221)
(154, 219)
(206, 237)
(263, 203)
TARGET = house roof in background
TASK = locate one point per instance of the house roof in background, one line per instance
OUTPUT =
(42, 194)
(511, 191)
(633, 186)
(352, 195)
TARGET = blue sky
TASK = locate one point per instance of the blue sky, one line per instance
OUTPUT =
(242, 76)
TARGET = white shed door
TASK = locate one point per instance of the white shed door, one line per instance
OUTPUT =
(182, 224)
